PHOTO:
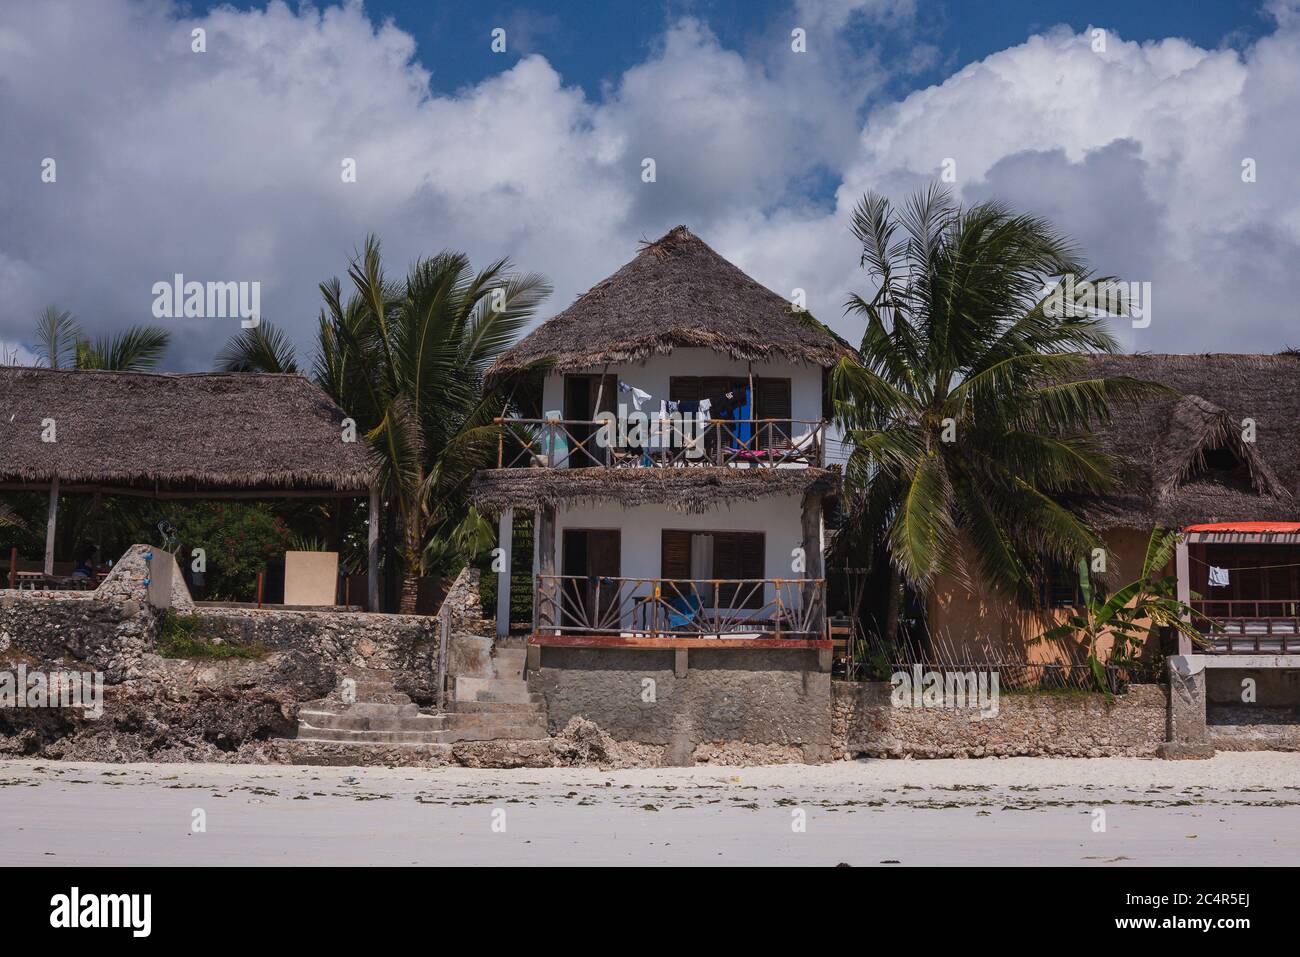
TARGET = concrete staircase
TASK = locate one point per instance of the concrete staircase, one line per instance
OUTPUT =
(484, 709)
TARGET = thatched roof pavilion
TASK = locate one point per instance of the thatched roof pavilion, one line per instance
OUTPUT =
(1183, 457)
(174, 436)
(676, 292)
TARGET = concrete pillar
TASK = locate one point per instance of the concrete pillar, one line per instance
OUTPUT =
(50, 522)
(372, 551)
(1188, 735)
(1182, 568)
(505, 541)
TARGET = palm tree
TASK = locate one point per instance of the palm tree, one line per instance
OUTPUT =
(405, 360)
(263, 348)
(415, 354)
(971, 412)
(138, 349)
(63, 345)
(58, 334)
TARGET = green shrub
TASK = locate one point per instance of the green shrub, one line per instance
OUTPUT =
(181, 636)
(238, 539)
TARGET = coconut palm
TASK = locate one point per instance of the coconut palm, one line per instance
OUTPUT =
(971, 409)
(58, 334)
(263, 348)
(63, 345)
(405, 359)
(415, 353)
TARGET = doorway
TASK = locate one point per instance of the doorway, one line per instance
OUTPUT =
(590, 561)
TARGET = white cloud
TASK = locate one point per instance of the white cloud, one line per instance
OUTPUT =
(226, 165)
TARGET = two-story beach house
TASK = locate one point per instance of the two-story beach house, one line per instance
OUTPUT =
(669, 438)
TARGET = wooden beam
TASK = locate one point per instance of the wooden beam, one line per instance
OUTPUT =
(645, 643)
(546, 566)
(1184, 584)
(505, 541)
(51, 521)
(196, 494)
(814, 564)
(372, 552)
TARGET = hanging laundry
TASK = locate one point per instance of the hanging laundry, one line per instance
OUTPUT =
(1218, 577)
(638, 395)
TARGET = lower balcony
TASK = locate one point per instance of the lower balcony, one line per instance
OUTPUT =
(659, 612)
(1237, 626)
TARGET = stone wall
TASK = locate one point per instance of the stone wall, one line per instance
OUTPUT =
(743, 705)
(108, 630)
(865, 723)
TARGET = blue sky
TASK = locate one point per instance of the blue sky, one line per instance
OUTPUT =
(224, 165)
(593, 41)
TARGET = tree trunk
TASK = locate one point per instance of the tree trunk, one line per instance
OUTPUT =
(893, 608)
(410, 592)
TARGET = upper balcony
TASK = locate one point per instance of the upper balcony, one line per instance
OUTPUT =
(659, 442)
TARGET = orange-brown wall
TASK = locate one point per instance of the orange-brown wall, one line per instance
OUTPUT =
(972, 624)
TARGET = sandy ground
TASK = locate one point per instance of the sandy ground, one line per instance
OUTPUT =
(1235, 809)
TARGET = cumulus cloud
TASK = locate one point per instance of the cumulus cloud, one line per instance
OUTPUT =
(226, 165)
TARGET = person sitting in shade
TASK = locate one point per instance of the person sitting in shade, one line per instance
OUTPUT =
(86, 566)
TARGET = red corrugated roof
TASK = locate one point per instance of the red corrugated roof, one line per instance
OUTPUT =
(1264, 527)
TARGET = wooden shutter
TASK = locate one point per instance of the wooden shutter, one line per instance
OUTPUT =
(772, 401)
(684, 388)
(738, 555)
(675, 561)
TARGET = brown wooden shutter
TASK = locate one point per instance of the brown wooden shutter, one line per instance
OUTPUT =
(684, 388)
(772, 401)
(738, 555)
(676, 556)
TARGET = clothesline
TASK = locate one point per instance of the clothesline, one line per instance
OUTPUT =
(1243, 568)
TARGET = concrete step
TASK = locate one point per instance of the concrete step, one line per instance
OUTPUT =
(514, 692)
(309, 732)
(489, 727)
(350, 721)
(496, 707)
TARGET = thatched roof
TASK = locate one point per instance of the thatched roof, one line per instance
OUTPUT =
(1162, 443)
(230, 430)
(681, 489)
(676, 292)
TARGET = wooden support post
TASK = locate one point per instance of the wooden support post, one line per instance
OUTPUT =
(548, 590)
(505, 541)
(1182, 568)
(261, 587)
(372, 551)
(50, 522)
(13, 567)
(813, 599)
(444, 638)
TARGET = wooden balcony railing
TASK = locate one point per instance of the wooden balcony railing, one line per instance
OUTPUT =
(1249, 626)
(791, 608)
(671, 442)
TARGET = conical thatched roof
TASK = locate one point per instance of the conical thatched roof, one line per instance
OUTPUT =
(676, 292)
(1167, 445)
(178, 432)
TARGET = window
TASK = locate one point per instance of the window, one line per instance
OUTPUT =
(735, 556)
(771, 401)
(1060, 588)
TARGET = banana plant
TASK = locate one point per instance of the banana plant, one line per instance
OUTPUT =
(1130, 615)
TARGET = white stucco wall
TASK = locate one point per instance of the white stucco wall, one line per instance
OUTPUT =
(653, 374)
(640, 529)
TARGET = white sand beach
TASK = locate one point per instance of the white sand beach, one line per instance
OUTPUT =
(1241, 808)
